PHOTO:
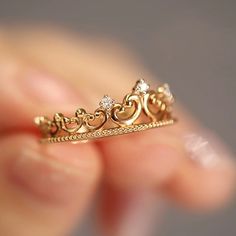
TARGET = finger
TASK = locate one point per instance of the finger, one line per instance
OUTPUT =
(207, 177)
(44, 189)
(27, 92)
(121, 74)
(159, 159)
(89, 74)
(122, 209)
(80, 59)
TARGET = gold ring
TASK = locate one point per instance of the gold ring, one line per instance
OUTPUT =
(141, 109)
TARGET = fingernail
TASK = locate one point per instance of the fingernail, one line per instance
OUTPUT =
(205, 150)
(44, 178)
(47, 89)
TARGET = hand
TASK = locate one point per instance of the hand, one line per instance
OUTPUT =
(45, 189)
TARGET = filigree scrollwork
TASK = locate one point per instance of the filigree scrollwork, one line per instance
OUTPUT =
(140, 106)
(157, 104)
(95, 121)
(153, 106)
(165, 94)
(69, 125)
(46, 126)
(127, 113)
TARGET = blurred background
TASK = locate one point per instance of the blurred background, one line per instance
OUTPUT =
(190, 44)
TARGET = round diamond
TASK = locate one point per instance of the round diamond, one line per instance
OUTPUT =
(107, 103)
(168, 93)
(141, 86)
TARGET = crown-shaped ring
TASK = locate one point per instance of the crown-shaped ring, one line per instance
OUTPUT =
(141, 109)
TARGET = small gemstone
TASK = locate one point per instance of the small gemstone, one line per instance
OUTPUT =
(107, 103)
(168, 93)
(141, 86)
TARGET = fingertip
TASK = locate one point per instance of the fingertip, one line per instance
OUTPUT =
(203, 189)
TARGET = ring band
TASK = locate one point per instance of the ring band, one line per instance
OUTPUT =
(140, 110)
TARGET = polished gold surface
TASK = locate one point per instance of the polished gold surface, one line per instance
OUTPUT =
(140, 110)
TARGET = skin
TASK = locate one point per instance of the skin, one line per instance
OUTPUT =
(46, 189)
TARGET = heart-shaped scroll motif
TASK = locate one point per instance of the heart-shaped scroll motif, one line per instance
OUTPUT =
(127, 112)
(69, 125)
(153, 106)
(95, 121)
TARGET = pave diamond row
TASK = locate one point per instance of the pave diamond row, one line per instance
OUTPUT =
(108, 132)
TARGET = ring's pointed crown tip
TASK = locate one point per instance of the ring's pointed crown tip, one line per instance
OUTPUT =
(141, 86)
(106, 102)
(38, 120)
